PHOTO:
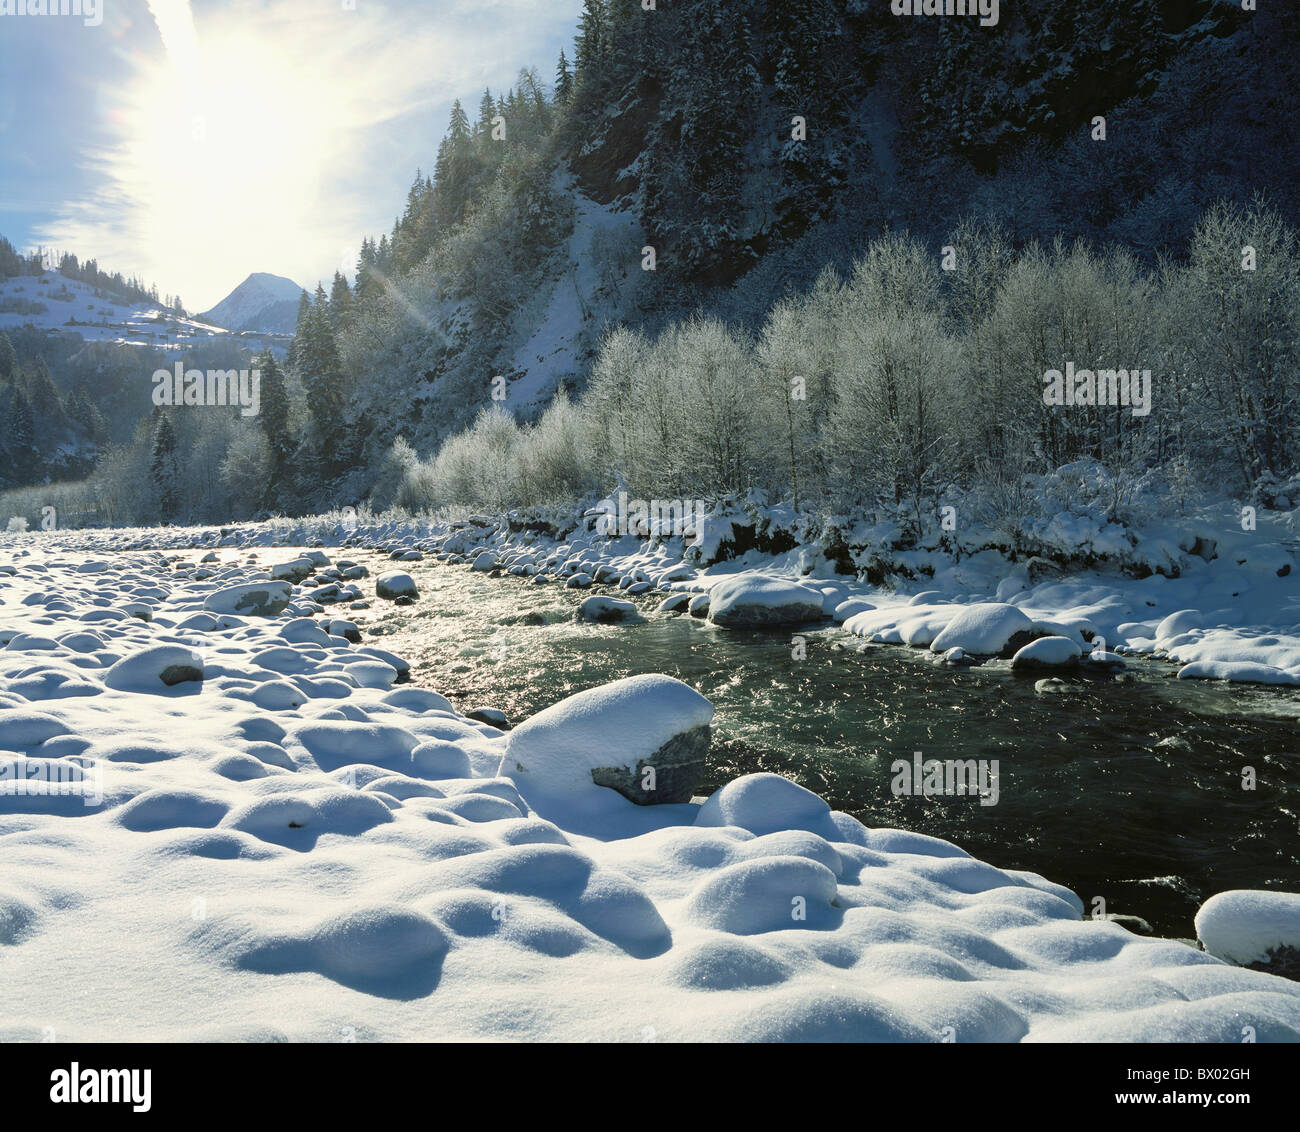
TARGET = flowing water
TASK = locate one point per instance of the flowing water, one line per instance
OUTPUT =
(1130, 790)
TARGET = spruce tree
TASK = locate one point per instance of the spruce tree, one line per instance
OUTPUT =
(164, 468)
(8, 358)
(274, 417)
(563, 81)
(21, 440)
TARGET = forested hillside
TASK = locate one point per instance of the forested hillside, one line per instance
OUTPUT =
(730, 195)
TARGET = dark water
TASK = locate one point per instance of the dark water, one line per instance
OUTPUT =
(1127, 790)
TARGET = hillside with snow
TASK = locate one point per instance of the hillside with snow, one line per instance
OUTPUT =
(61, 306)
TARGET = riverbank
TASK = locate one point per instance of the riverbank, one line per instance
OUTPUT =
(1219, 601)
(261, 831)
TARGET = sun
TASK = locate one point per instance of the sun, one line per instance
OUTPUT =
(226, 145)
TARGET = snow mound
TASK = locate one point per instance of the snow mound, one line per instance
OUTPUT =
(616, 731)
(155, 669)
(1047, 652)
(755, 600)
(984, 629)
(765, 803)
(1246, 926)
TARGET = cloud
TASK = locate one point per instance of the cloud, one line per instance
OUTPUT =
(270, 136)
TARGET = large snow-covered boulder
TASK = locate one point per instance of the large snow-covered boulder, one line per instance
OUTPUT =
(154, 669)
(1251, 928)
(253, 599)
(755, 600)
(295, 570)
(644, 736)
(988, 628)
(1048, 652)
(395, 584)
(603, 609)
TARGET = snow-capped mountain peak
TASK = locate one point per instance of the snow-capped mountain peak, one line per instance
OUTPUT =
(262, 302)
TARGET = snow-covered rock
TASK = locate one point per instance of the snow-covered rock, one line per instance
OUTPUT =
(154, 669)
(985, 629)
(851, 608)
(395, 584)
(644, 736)
(603, 609)
(252, 599)
(1238, 671)
(1253, 928)
(1047, 652)
(675, 603)
(754, 600)
(295, 570)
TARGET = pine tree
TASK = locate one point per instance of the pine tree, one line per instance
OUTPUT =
(563, 81)
(164, 469)
(274, 417)
(486, 112)
(21, 439)
(318, 364)
(8, 358)
(589, 48)
(340, 304)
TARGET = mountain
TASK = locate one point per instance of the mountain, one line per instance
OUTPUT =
(751, 146)
(262, 302)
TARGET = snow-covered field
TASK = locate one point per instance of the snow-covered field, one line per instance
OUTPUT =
(57, 304)
(233, 824)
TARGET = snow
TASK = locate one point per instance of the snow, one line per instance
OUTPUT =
(618, 725)
(757, 600)
(1243, 926)
(293, 848)
(983, 629)
(110, 318)
(1047, 652)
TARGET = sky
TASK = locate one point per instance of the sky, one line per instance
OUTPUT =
(192, 142)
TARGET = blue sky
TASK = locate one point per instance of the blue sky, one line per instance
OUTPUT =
(194, 141)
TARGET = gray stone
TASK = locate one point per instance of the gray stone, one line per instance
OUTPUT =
(678, 768)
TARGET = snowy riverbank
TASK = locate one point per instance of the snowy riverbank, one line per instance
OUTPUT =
(235, 824)
(1216, 600)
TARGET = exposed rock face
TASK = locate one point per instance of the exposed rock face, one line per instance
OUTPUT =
(670, 774)
(644, 736)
